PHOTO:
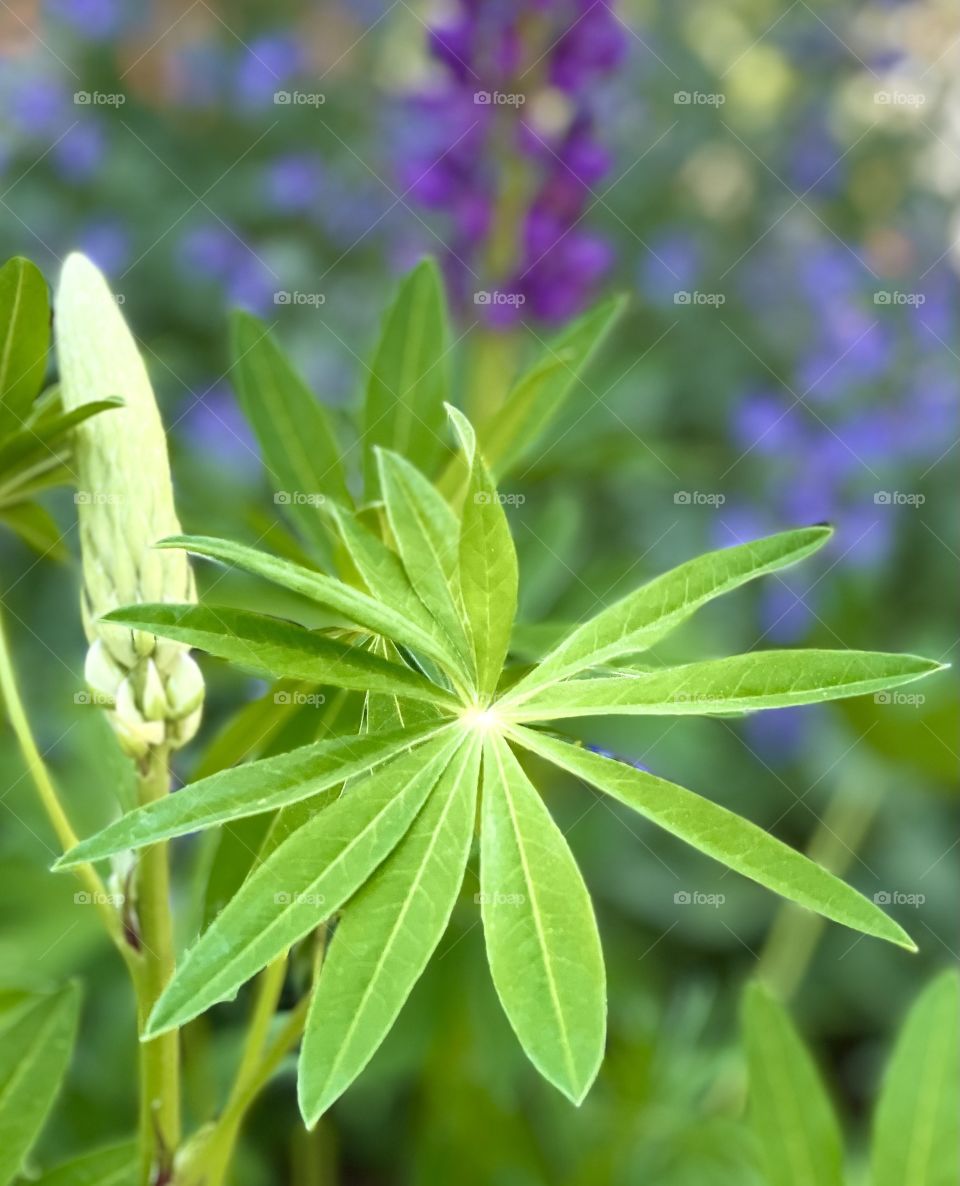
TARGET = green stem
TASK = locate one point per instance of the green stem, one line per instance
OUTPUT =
(55, 811)
(159, 1057)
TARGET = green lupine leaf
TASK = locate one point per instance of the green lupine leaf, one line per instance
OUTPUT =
(279, 648)
(408, 379)
(916, 1131)
(36, 1041)
(305, 880)
(721, 834)
(386, 712)
(24, 340)
(488, 566)
(251, 789)
(36, 527)
(541, 935)
(637, 621)
(297, 440)
(116, 1165)
(789, 1110)
(41, 441)
(427, 535)
(539, 394)
(740, 683)
(352, 604)
(386, 936)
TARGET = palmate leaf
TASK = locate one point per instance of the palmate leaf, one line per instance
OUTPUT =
(488, 565)
(721, 834)
(356, 606)
(252, 789)
(795, 1124)
(763, 679)
(279, 648)
(36, 1041)
(296, 438)
(916, 1129)
(542, 942)
(305, 880)
(407, 379)
(386, 936)
(637, 621)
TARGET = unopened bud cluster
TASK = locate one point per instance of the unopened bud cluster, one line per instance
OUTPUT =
(152, 688)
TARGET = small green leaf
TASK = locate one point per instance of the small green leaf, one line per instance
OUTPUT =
(789, 1109)
(37, 528)
(488, 566)
(279, 648)
(24, 340)
(247, 790)
(539, 394)
(386, 712)
(721, 834)
(36, 1041)
(351, 603)
(408, 379)
(915, 1131)
(116, 1165)
(297, 440)
(42, 440)
(541, 935)
(641, 618)
(305, 880)
(386, 936)
(741, 683)
(427, 535)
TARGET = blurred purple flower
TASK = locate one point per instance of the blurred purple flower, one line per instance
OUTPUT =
(80, 153)
(107, 242)
(215, 426)
(209, 250)
(93, 20)
(672, 264)
(266, 66)
(40, 107)
(293, 183)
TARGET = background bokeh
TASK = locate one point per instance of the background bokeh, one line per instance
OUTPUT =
(776, 187)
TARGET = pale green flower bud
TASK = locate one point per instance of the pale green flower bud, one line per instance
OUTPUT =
(125, 505)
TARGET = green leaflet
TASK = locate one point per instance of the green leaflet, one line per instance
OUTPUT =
(386, 936)
(721, 834)
(915, 1128)
(385, 712)
(297, 440)
(542, 942)
(354, 605)
(279, 648)
(116, 1165)
(248, 790)
(427, 536)
(795, 1124)
(36, 1041)
(24, 340)
(538, 395)
(762, 679)
(37, 528)
(42, 439)
(488, 566)
(408, 379)
(305, 880)
(637, 621)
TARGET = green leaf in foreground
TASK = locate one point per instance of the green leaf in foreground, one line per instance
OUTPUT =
(760, 679)
(116, 1165)
(735, 842)
(795, 1124)
(386, 936)
(916, 1129)
(247, 790)
(638, 620)
(305, 880)
(24, 339)
(279, 648)
(36, 1041)
(541, 935)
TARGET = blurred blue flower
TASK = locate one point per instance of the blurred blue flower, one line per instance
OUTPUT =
(266, 65)
(214, 424)
(671, 264)
(293, 183)
(81, 152)
(39, 106)
(107, 242)
(93, 20)
(209, 250)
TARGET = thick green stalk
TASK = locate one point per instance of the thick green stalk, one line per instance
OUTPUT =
(160, 1057)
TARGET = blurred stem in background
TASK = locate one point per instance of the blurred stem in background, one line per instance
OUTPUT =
(793, 938)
